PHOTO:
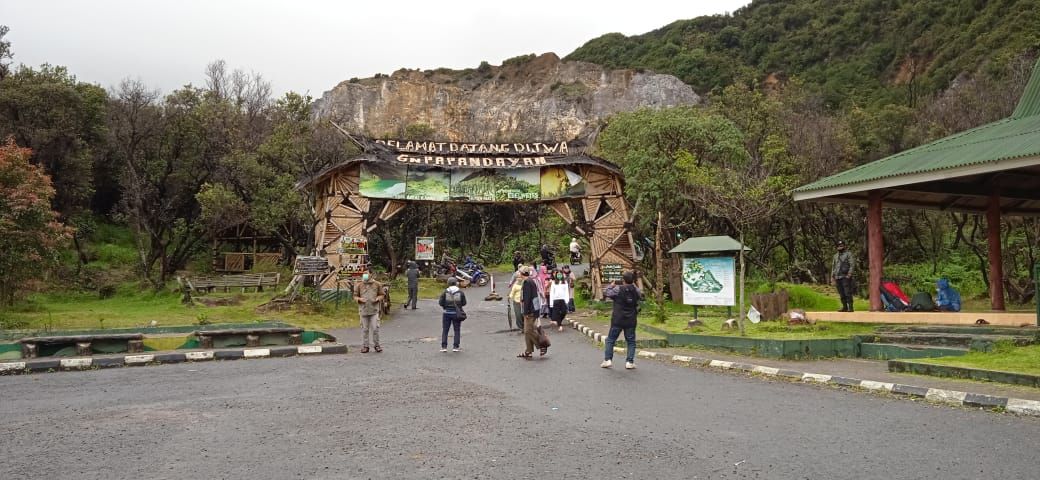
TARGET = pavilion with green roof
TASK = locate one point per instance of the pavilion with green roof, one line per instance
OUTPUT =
(992, 169)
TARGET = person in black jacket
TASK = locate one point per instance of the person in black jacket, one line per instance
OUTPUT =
(452, 300)
(626, 299)
(528, 294)
(413, 285)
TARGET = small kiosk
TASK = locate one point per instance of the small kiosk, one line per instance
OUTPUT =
(708, 273)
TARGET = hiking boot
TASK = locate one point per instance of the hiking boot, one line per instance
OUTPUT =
(630, 366)
(606, 364)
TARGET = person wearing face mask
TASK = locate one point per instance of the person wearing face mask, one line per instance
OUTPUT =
(559, 297)
(369, 295)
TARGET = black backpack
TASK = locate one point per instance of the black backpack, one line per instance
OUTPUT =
(922, 302)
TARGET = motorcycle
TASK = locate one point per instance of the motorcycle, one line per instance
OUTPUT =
(575, 258)
(475, 276)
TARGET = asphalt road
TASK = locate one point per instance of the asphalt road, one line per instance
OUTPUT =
(413, 412)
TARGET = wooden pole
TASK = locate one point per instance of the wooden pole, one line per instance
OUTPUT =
(996, 262)
(875, 249)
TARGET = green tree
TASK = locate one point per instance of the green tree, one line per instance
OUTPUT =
(30, 234)
(648, 145)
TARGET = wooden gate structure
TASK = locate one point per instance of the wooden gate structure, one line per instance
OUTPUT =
(355, 196)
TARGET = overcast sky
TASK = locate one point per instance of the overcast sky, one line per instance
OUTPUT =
(311, 45)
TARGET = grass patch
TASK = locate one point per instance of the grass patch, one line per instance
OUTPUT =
(771, 330)
(1004, 358)
(134, 306)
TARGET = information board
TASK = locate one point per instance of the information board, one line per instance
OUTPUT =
(424, 248)
(709, 281)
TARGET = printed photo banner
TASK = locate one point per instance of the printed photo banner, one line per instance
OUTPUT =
(419, 182)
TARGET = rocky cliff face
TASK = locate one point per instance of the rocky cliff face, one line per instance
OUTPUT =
(525, 99)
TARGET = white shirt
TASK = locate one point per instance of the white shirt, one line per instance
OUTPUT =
(574, 247)
(559, 291)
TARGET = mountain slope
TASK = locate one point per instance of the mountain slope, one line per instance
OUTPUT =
(863, 51)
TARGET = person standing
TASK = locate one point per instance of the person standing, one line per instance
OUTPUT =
(516, 300)
(559, 297)
(452, 300)
(842, 269)
(528, 295)
(518, 260)
(568, 275)
(626, 299)
(413, 285)
(369, 295)
(542, 280)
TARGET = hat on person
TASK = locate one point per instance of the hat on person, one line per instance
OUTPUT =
(525, 271)
(841, 243)
(452, 282)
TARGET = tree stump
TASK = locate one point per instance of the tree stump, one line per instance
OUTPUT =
(29, 350)
(83, 349)
(772, 306)
(205, 341)
(135, 346)
(252, 340)
(295, 339)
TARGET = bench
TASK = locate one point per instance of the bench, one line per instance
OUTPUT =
(226, 282)
(253, 336)
(31, 345)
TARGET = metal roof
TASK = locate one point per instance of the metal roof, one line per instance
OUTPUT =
(718, 243)
(997, 157)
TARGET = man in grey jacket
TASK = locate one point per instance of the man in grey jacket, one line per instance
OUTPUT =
(841, 272)
(413, 285)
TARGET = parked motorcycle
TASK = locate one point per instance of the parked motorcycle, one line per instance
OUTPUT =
(475, 276)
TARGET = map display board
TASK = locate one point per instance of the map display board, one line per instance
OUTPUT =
(709, 281)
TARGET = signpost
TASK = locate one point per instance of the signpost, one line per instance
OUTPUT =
(709, 272)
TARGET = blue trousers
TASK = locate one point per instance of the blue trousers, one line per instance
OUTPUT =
(450, 320)
(630, 343)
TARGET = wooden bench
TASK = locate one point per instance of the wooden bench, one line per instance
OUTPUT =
(83, 343)
(227, 282)
(252, 335)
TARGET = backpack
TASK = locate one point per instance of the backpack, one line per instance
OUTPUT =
(893, 297)
(922, 302)
(454, 299)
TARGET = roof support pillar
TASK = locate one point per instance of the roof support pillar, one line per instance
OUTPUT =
(875, 249)
(996, 261)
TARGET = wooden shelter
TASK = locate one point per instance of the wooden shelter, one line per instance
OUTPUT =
(357, 195)
(993, 170)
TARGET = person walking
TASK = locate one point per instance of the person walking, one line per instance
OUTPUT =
(369, 295)
(528, 295)
(413, 285)
(568, 275)
(559, 297)
(452, 300)
(542, 279)
(841, 272)
(626, 299)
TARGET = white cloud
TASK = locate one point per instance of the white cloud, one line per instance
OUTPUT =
(311, 45)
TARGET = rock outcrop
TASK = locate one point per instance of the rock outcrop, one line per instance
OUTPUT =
(526, 99)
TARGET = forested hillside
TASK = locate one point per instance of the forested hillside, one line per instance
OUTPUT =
(852, 51)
